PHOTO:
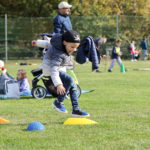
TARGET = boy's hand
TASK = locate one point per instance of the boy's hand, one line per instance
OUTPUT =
(61, 90)
(33, 43)
(120, 53)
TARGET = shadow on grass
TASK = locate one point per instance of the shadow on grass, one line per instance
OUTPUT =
(47, 97)
(30, 97)
(55, 123)
(27, 98)
(26, 124)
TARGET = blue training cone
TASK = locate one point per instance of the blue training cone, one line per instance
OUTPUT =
(35, 126)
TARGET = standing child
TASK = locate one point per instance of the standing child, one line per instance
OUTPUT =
(23, 81)
(54, 61)
(116, 53)
(132, 50)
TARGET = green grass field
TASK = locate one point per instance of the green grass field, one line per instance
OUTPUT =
(120, 104)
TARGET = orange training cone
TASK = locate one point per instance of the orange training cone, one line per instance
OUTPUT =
(2, 120)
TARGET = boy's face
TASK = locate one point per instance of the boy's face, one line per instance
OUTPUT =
(70, 47)
(118, 43)
(133, 42)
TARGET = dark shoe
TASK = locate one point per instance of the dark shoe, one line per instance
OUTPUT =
(79, 113)
(109, 70)
(97, 70)
(59, 107)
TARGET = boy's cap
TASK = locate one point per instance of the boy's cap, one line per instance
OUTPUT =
(64, 5)
(71, 36)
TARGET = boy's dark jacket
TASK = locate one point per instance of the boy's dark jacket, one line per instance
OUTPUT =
(114, 53)
(57, 58)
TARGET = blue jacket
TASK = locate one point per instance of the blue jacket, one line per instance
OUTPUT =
(144, 45)
(62, 24)
(88, 50)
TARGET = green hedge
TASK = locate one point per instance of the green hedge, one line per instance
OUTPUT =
(21, 31)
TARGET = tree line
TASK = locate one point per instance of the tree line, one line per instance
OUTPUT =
(98, 18)
(47, 8)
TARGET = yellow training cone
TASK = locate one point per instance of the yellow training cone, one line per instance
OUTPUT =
(79, 121)
(2, 120)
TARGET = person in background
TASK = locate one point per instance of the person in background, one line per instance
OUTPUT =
(23, 82)
(144, 47)
(89, 51)
(137, 54)
(2, 68)
(132, 50)
(62, 21)
(98, 44)
(116, 53)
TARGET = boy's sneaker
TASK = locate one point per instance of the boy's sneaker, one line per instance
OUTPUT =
(59, 107)
(97, 70)
(109, 70)
(79, 113)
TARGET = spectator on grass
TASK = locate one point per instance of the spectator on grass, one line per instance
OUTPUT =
(62, 21)
(116, 53)
(23, 82)
(144, 47)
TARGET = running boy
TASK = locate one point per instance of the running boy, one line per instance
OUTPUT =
(116, 53)
(54, 62)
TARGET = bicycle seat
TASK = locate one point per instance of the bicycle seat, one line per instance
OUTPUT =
(36, 72)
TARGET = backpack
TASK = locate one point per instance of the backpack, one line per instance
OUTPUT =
(9, 86)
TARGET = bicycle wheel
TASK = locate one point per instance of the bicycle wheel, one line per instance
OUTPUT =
(39, 92)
